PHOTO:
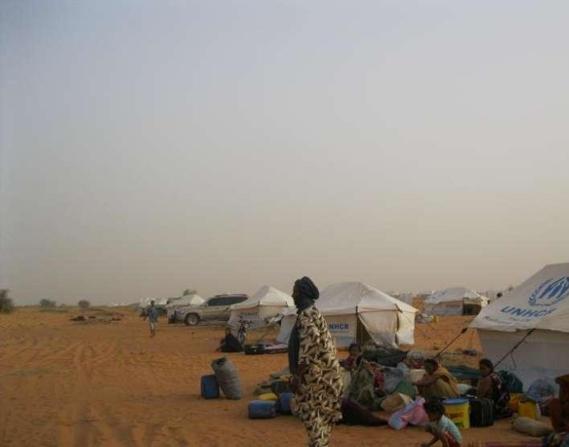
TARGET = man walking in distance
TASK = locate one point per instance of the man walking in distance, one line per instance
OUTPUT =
(152, 315)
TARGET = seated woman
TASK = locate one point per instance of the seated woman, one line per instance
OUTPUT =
(351, 362)
(366, 386)
(229, 343)
(437, 383)
(559, 408)
(490, 386)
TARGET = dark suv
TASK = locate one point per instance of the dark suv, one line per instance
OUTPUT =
(217, 308)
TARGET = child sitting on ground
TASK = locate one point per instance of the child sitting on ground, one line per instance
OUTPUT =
(441, 427)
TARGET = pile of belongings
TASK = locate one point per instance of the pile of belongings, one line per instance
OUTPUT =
(384, 356)
(277, 384)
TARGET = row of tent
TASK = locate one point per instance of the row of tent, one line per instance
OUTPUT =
(354, 311)
(527, 330)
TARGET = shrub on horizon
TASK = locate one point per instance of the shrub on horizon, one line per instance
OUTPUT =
(6, 304)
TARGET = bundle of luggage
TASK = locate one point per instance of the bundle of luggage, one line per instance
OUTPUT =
(225, 377)
(385, 356)
(273, 397)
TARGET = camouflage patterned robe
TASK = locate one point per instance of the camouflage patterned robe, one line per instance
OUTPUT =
(318, 397)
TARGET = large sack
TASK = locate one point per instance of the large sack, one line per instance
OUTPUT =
(413, 413)
(227, 377)
(395, 402)
(531, 427)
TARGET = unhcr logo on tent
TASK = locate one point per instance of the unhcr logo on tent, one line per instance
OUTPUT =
(338, 327)
(550, 292)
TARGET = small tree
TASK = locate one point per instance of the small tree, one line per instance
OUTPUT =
(47, 304)
(189, 292)
(84, 304)
(6, 304)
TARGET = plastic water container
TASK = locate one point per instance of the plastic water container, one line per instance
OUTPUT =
(529, 409)
(210, 388)
(262, 409)
(284, 402)
(458, 410)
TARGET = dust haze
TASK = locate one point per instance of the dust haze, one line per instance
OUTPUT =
(148, 147)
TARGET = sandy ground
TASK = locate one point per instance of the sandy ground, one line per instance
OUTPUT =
(65, 383)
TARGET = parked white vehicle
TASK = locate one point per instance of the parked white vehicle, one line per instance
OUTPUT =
(217, 308)
(186, 301)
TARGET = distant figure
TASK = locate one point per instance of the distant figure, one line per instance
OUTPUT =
(351, 361)
(441, 427)
(316, 383)
(559, 408)
(152, 315)
(490, 386)
(229, 343)
(437, 382)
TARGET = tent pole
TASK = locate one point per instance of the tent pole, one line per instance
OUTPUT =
(358, 335)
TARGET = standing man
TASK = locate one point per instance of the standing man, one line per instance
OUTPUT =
(317, 383)
(152, 315)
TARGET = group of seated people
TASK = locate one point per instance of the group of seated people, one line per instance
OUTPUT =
(437, 383)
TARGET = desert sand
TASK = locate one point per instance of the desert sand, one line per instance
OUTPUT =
(94, 383)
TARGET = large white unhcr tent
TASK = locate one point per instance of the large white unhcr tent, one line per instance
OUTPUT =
(536, 313)
(267, 303)
(455, 301)
(355, 311)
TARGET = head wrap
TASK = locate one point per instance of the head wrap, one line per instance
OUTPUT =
(305, 293)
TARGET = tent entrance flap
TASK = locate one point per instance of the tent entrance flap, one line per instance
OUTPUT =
(381, 326)
(362, 335)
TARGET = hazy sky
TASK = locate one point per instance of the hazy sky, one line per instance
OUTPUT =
(150, 146)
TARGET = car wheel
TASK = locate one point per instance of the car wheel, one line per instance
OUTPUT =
(192, 320)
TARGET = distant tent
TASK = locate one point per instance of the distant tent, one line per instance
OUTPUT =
(145, 302)
(356, 312)
(268, 302)
(455, 301)
(406, 297)
(186, 300)
(540, 303)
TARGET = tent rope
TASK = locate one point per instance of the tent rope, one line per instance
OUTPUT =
(463, 331)
(516, 346)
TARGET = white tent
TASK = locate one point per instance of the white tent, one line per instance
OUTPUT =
(263, 305)
(455, 301)
(145, 302)
(354, 309)
(541, 304)
(186, 300)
